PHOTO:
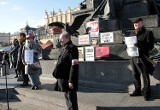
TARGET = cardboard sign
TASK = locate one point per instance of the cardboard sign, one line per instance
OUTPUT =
(89, 53)
(93, 28)
(107, 37)
(130, 41)
(28, 56)
(83, 40)
(102, 52)
(81, 53)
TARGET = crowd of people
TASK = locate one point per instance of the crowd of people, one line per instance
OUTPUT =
(16, 59)
(67, 66)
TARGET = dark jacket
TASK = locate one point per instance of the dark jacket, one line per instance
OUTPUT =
(145, 42)
(14, 52)
(65, 71)
(20, 65)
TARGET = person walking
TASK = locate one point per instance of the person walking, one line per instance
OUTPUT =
(20, 66)
(33, 69)
(67, 70)
(14, 55)
(140, 65)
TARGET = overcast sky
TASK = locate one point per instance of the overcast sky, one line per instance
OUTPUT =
(15, 13)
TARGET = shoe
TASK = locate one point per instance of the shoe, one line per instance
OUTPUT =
(16, 76)
(135, 93)
(146, 97)
(36, 87)
(33, 87)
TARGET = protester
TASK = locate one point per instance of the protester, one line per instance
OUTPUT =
(14, 55)
(20, 66)
(33, 68)
(145, 42)
(66, 71)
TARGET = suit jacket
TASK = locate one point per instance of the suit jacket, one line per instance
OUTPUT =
(67, 68)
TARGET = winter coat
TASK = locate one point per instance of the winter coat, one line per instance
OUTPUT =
(67, 68)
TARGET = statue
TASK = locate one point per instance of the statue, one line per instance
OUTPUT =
(109, 8)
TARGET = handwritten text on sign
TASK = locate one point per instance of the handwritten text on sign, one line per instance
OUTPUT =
(107, 37)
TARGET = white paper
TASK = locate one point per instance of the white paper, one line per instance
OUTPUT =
(89, 53)
(130, 41)
(28, 56)
(133, 52)
(107, 37)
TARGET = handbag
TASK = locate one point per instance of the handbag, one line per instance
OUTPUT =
(36, 66)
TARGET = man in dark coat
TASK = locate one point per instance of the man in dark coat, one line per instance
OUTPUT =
(20, 66)
(140, 65)
(14, 55)
(66, 71)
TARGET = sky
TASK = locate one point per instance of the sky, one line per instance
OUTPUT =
(15, 14)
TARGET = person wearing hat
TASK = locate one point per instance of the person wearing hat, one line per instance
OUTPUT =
(20, 66)
(140, 66)
(33, 69)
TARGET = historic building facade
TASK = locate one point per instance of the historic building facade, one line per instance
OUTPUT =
(5, 38)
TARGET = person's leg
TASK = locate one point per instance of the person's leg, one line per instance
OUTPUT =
(137, 80)
(71, 100)
(36, 80)
(25, 78)
(146, 81)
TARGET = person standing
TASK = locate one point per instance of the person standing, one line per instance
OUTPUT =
(14, 55)
(20, 66)
(33, 70)
(67, 70)
(140, 65)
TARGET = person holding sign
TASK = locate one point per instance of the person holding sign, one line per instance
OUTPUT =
(66, 71)
(31, 50)
(145, 42)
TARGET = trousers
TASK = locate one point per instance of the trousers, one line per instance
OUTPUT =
(71, 100)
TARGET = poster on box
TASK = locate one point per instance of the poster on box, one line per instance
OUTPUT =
(89, 53)
(94, 34)
(102, 52)
(81, 53)
(83, 40)
(93, 28)
(106, 37)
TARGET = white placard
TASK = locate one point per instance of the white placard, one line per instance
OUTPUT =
(130, 41)
(83, 40)
(28, 56)
(133, 51)
(89, 53)
(107, 37)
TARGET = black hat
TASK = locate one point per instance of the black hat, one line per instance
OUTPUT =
(136, 20)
